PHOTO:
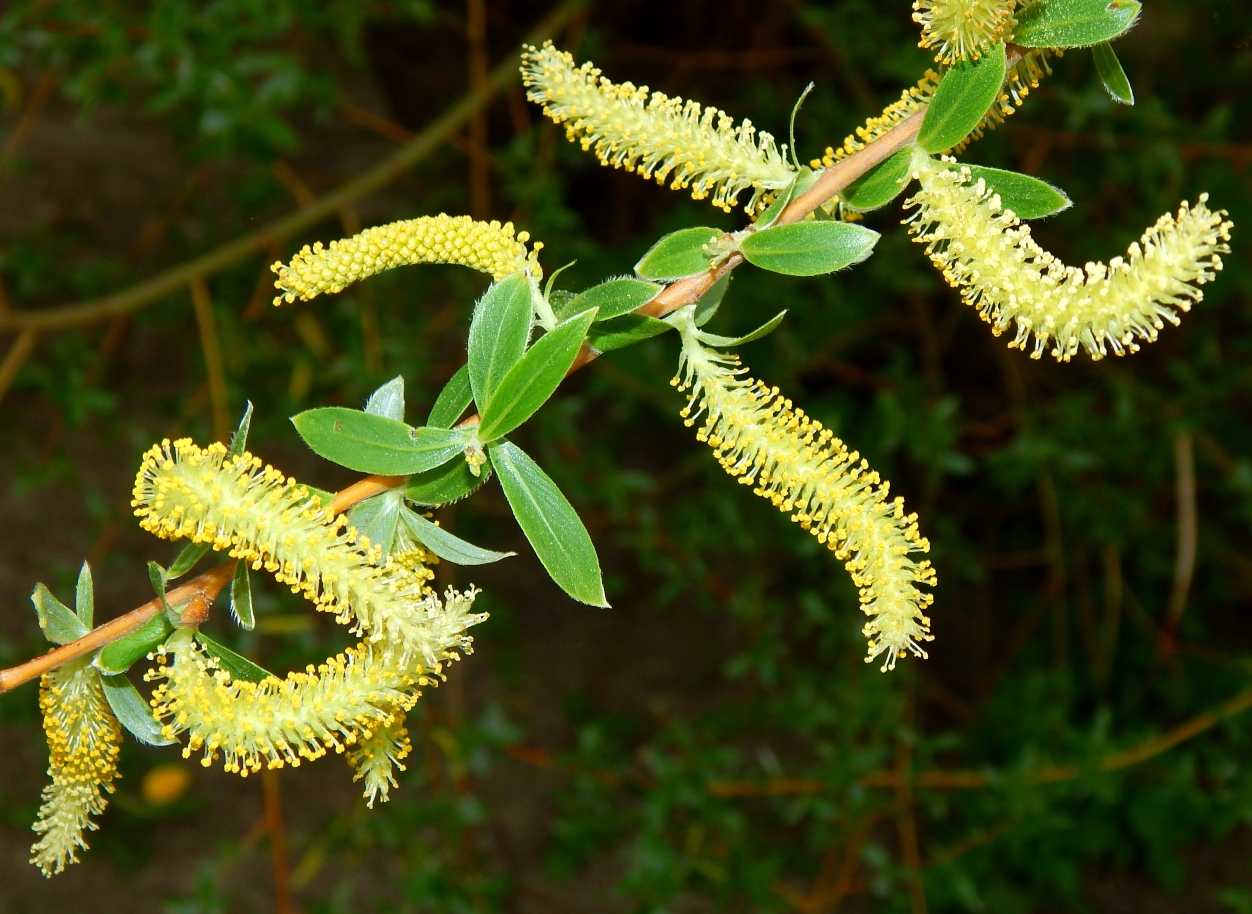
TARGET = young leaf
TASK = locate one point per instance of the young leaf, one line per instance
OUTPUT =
(85, 597)
(1073, 23)
(550, 523)
(1028, 197)
(961, 100)
(881, 184)
(388, 400)
(241, 598)
(445, 545)
(498, 334)
(678, 255)
(239, 440)
(445, 484)
(808, 248)
(711, 300)
(624, 331)
(765, 329)
(60, 626)
(237, 665)
(379, 517)
(531, 381)
(774, 210)
(119, 656)
(452, 400)
(133, 712)
(372, 444)
(1112, 74)
(615, 298)
(186, 559)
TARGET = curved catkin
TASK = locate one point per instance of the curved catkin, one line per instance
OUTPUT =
(758, 436)
(84, 739)
(488, 247)
(963, 29)
(256, 514)
(375, 757)
(682, 143)
(984, 250)
(340, 704)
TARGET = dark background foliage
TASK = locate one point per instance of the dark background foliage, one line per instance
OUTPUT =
(713, 741)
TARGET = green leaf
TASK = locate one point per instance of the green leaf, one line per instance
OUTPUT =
(60, 626)
(625, 331)
(379, 518)
(133, 712)
(530, 382)
(550, 523)
(186, 559)
(781, 199)
(808, 248)
(881, 184)
(237, 665)
(239, 440)
(388, 400)
(85, 597)
(445, 484)
(241, 598)
(157, 576)
(678, 255)
(1112, 74)
(119, 656)
(452, 400)
(498, 334)
(445, 545)
(711, 300)
(1073, 23)
(962, 98)
(562, 302)
(372, 444)
(765, 329)
(615, 297)
(1027, 197)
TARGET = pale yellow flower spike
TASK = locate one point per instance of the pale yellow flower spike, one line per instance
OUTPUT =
(963, 29)
(375, 757)
(84, 739)
(656, 136)
(488, 247)
(758, 436)
(983, 250)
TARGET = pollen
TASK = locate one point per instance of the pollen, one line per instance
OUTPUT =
(488, 247)
(679, 143)
(963, 29)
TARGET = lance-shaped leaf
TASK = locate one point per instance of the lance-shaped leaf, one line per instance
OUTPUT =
(186, 559)
(623, 331)
(373, 444)
(388, 400)
(711, 300)
(85, 597)
(60, 625)
(133, 712)
(239, 441)
(765, 329)
(379, 518)
(446, 545)
(962, 99)
(808, 248)
(1073, 23)
(452, 400)
(1027, 197)
(498, 334)
(241, 598)
(881, 184)
(781, 199)
(1112, 74)
(530, 382)
(445, 484)
(119, 656)
(678, 255)
(614, 298)
(550, 523)
(239, 666)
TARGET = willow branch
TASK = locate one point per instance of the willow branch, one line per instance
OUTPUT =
(387, 171)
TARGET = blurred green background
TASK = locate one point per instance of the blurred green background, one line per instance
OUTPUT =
(714, 741)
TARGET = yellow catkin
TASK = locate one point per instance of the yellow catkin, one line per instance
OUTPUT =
(84, 739)
(682, 143)
(488, 247)
(963, 29)
(375, 757)
(761, 438)
(256, 514)
(983, 250)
